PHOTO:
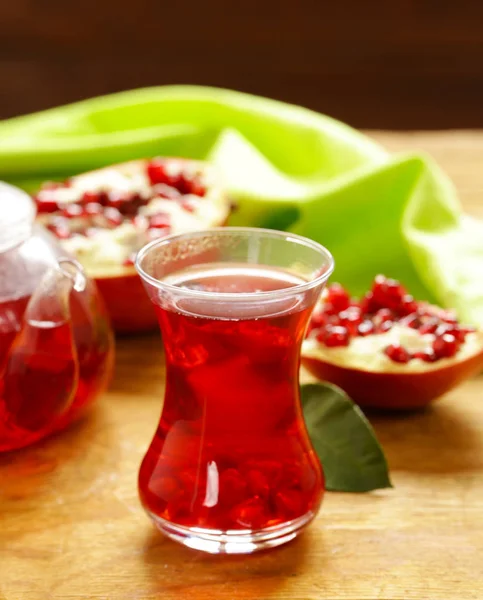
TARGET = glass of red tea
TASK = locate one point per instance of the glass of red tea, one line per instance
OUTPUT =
(231, 468)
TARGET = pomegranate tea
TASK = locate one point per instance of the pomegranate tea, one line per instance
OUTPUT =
(49, 371)
(231, 451)
(231, 468)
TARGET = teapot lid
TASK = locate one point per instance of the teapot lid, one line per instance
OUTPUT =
(17, 214)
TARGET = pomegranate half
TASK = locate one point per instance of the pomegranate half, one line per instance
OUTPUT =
(104, 217)
(386, 350)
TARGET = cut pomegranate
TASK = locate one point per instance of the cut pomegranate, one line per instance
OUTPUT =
(146, 205)
(396, 364)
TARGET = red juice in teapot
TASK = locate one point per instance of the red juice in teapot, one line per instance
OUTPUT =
(49, 371)
(56, 346)
(231, 451)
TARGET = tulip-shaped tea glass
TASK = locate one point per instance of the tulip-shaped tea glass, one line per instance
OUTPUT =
(231, 467)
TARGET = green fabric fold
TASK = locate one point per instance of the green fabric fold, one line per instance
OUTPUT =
(288, 168)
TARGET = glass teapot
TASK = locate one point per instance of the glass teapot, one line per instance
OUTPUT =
(56, 344)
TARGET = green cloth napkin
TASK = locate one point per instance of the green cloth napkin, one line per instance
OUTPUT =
(288, 167)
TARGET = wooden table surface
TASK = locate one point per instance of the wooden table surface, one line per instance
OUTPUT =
(71, 526)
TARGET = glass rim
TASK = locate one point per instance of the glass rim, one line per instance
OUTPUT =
(266, 295)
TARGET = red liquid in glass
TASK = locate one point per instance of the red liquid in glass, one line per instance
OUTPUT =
(49, 372)
(231, 451)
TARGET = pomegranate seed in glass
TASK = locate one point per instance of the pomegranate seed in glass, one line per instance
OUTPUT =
(231, 468)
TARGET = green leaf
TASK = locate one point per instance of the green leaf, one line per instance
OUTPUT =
(344, 440)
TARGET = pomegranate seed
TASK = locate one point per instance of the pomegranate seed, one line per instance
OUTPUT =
(338, 297)
(160, 221)
(350, 318)
(197, 188)
(334, 336)
(128, 262)
(89, 197)
(412, 320)
(183, 183)
(132, 203)
(112, 216)
(46, 202)
(365, 328)
(232, 486)
(384, 314)
(445, 346)
(397, 353)
(318, 319)
(426, 355)
(72, 210)
(156, 172)
(116, 199)
(387, 292)
(429, 326)
(451, 329)
(330, 309)
(92, 209)
(379, 289)
(368, 304)
(384, 326)
(258, 484)
(408, 305)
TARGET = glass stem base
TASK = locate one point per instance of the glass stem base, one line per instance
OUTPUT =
(243, 541)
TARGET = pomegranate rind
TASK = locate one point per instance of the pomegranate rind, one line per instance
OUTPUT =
(403, 390)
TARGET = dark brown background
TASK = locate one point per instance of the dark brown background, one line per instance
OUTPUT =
(389, 63)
